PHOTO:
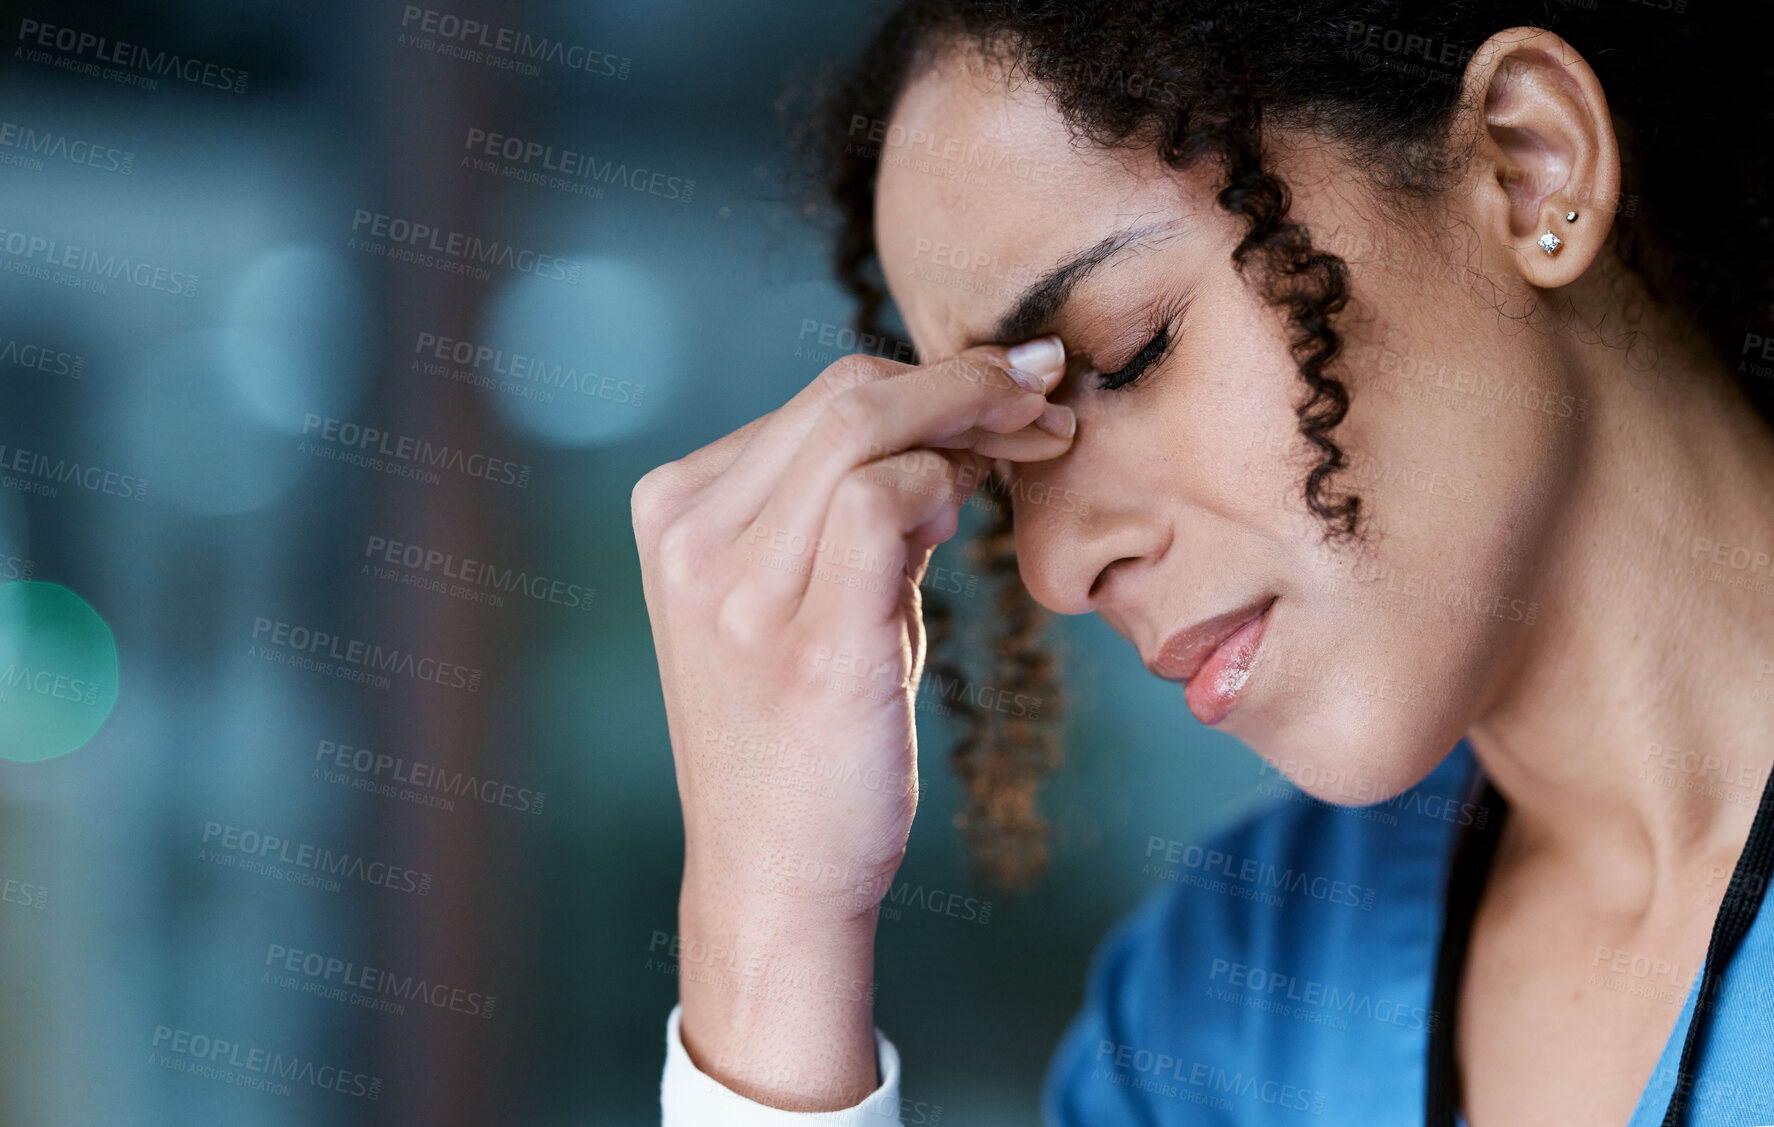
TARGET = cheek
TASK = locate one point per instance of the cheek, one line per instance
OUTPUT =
(1235, 398)
(1388, 650)
(1383, 653)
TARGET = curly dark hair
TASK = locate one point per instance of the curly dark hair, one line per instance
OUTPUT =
(1195, 79)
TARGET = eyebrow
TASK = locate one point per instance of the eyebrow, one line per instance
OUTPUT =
(1042, 301)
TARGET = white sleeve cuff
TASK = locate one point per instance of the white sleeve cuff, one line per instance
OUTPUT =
(689, 1097)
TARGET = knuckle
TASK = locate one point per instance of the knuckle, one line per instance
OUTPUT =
(653, 501)
(862, 494)
(853, 371)
(742, 625)
(939, 524)
(679, 553)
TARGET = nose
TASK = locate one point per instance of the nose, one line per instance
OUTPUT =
(1080, 550)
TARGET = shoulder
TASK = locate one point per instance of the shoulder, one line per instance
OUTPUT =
(1285, 946)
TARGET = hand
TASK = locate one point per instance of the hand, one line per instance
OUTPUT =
(780, 566)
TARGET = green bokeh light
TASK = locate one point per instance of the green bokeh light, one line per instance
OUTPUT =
(58, 671)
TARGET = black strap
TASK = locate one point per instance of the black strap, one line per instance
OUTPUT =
(1473, 852)
(1743, 899)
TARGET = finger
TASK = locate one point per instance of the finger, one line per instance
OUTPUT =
(749, 480)
(909, 504)
(878, 537)
(966, 476)
(1047, 437)
(931, 486)
(736, 472)
(709, 463)
(937, 406)
(703, 465)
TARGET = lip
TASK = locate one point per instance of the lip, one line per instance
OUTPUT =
(1222, 648)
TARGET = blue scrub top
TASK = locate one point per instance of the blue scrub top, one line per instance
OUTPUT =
(1287, 973)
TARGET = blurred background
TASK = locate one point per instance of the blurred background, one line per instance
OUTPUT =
(334, 777)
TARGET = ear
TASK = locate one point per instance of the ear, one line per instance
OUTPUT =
(1546, 147)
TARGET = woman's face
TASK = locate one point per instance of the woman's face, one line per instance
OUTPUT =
(1180, 500)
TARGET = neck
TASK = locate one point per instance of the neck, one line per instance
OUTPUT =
(1635, 730)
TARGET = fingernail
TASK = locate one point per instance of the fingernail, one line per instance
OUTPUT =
(1038, 364)
(1058, 420)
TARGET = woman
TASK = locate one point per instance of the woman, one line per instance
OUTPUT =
(1382, 355)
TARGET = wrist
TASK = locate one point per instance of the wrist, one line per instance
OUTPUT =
(778, 1004)
(799, 888)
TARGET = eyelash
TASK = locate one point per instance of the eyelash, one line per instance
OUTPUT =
(1129, 374)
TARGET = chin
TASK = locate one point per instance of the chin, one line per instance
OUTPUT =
(1347, 750)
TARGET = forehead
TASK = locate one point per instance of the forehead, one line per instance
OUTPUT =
(982, 190)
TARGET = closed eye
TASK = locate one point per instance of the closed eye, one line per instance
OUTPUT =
(1129, 373)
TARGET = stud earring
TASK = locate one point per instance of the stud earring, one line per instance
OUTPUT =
(1550, 243)
(1570, 217)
